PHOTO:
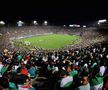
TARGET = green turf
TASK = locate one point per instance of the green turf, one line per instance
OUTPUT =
(53, 41)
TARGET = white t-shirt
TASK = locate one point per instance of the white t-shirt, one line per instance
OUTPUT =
(1, 65)
(66, 80)
(16, 67)
(84, 87)
(102, 70)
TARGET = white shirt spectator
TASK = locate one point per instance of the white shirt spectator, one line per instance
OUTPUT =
(16, 67)
(86, 65)
(45, 59)
(76, 63)
(107, 56)
(66, 80)
(1, 65)
(94, 50)
(102, 70)
(53, 57)
(56, 58)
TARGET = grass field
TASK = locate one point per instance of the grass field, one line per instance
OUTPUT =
(53, 41)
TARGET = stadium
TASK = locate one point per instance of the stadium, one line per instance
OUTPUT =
(14, 36)
(53, 45)
(49, 51)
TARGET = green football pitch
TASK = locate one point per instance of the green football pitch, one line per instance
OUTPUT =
(53, 41)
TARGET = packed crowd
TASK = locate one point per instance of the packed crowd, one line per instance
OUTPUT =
(70, 69)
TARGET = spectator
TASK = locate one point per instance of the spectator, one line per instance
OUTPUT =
(66, 81)
(102, 68)
(1, 66)
(32, 71)
(84, 84)
(96, 80)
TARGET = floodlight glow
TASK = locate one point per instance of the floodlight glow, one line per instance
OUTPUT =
(35, 22)
(84, 26)
(20, 23)
(45, 22)
(2, 22)
(101, 21)
(74, 25)
(71, 25)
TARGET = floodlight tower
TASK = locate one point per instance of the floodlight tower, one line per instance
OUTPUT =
(2, 23)
(45, 23)
(20, 23)
(102, 21)
(84, 26)
(70, 25)
(35, 22)
(102, 24)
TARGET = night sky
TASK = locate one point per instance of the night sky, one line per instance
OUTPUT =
(55, 11)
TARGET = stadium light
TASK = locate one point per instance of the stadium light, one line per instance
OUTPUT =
(2, 23)
(84, 26)
(20, 23)
(70, 25)
(35, 22)
(102, 21)
(74, 25)
(45, 23)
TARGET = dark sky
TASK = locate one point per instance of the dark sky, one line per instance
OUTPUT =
(55, 11)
